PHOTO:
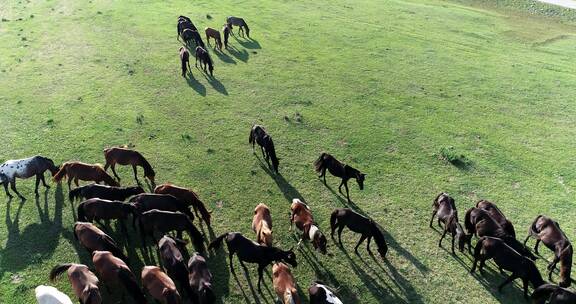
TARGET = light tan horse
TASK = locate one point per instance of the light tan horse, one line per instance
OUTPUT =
(262, 225)
(159, 285)
(284, 284)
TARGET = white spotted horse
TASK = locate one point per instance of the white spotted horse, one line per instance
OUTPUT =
(25, 168)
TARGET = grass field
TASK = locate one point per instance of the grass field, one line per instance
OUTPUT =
(382, 85)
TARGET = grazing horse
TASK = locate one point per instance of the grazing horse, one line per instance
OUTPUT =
(166, 221)
(251, 252)
(336, 168)
(165, 202)
(479, 222)
(548, 231)
(159, 285)
(83, 281)
(74, 170)
(444, 208)
(215, 34)
(322, 294)
(262, 225)
(50, 295)
(204, 57)
(508, 259)
(301, 215)
(187, 196)
(185, 61)
(345, 217)
(96, 209)
(184, 23)
(240, 23)
(104, 192)
(25, 168)
(173, 262)
(497, 215)
(189, 35)
(92, 238)
(113, 270)
(128, 157)
(199, 279)
(226, 31)
(284, 284)
(553, 294)
(259, 135)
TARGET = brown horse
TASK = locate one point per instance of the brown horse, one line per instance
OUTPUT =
(215, 34)
(83, 281)
(159, 285)
(284, 284)
(166, 221)
(240, 23)
(96, 209)
(302, 217)
(185, 61)
(553, 294)
(548, 231)
(113, 271)
(173, 262)
(345, 217)
(187, 196)
(165, 202)
(104, 192)
(204, 58)
(25, 168)
(74, 170)
(444, 208)
(128, 157)
(497, 215)
(92, 238)
(262, 225)
(199, 278)
(336, 168)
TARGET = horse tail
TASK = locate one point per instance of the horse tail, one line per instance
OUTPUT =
(319, 163)
(252, 137)
(58, 270)
(196, 235)
(75, 193)
(61, 173)
(543, 292)
(203, 211)
(148, 171)
(247, 29)
(217, 242)
(468, 222)
(128, 280)
(478, 248)
(273, 157)
(81, 213)
(566, 266)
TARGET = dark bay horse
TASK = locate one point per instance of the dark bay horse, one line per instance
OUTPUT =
(508, 259)
(166, 221)
(251, 252)
(345, 217)
(200, 279)
(336, 168)
(189, 35)
(127, 157)
(226, 31)
(301, 215)
(214, 34)
(322, 294)
(74, 170)
(185, 60)
(240, 23)
(184, 23)
(92, 238)
(548, 231)
(553, 294)
(174, 263)
(25, 168)
(113, 271)
(262, 225)
(444, 208)
(284, 284)
(84, 282)
(159, 285)
(96, 209)
(165, 202)
(258, 135)
(204, 58)
(497, 215)
(104, 192)
(188, 196)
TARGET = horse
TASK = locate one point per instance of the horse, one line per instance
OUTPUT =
(113, 270)
(184, 23)
(199, 279)
(74, 170)
(93, 239)
(508, 259)
(226, 31)
(96, 209)
(84, 282)
(159, 285)
(345, 217)
(204, 57)
(302, 216)
(185, 60)
(173, 262)
(444, 208)
(284, 284)
(553, 294)
(147, 201)
(240, 23)
(25, 168)
(128, 157)
(497, 215)
(548, 231)
(322, 294)
(104, 192)
(259, 135)
(215, 34)
(479, 222)
(251, 252)
(50, 295)
(165, 221)
(192, 34)
(336, 168)
(262, 225)
(188, 196)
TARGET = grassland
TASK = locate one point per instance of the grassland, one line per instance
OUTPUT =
(382, 85)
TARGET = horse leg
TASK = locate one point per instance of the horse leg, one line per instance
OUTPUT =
(525, 282)
(340, 187)
(453, 239)
(69, 183)
(526, 240)
(340, 234)
(230, 256)
(260, 275)
(135, 174)
(433, 215)
(13, 187)
(37, 183)
(536, 246)
(196, 63)
(368, 245)
(6, 189)
(76, 182)
(362, 238)
(43, 181)
(114, 171)
(442, 237)
(263, 155)
(347, 192)
(511, 278)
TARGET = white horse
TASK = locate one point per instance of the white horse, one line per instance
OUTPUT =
(51, 295)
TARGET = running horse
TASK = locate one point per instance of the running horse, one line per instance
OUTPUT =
(128, 157)
(240, 23)
(25, 168)
(75, 170)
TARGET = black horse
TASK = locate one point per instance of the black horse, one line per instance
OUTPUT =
(345, 217)
(336, 168)
(173, 262)
(147, 201)
(189, 35)
(166, 221)
(240, 23)
(25, 168)
(553, 294)
(204, 57)
(249, 251)
(104, 192)
(184, 23)
(258, 135)
(226, 31)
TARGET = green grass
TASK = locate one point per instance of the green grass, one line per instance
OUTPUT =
(382, 85)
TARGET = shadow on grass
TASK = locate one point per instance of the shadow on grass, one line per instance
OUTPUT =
(224, 57)
(195, 84)
(287, 189)
(216, 84)
(241, 55)
(248, 43)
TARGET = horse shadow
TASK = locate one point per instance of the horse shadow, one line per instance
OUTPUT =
(224, 57)
(220, 272)
(241, 55)
(287, 189)
(490, 280)
(350, 204)
(216, 85)
(248, 43)
(392, 243)
(195, 84)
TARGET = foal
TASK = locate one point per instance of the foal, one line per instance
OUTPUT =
(128, 157)
(166, 221)
(200, 278)
(215, 34)
(113, 270)
(284, 284)
(104, 192)
(185, 61)
(302, 216)
(444, 208)
(25, 168)
(497, 215)
(204, 57)
(189, 197)
(548, 231)
(159, 285)
(92, 238)
(322, 294)
(336, 168)
(83, 281)
(262, 225)
(173, 262)
(74, 170)
(242, 25)
(553, 294)
(345, 217)
(258, 135)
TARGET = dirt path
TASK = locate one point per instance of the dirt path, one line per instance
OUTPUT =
(564, 3)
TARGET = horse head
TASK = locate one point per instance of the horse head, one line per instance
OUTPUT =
(289, 257)
(360, 177)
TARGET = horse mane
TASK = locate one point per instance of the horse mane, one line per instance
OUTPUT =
(146, 165)
(378, 235)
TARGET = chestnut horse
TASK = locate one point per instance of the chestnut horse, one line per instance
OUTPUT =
(84, 282)
(548, 231)
(284, 284)
(199, 278)
(74, 170)
(215, 34)
(262, 225)
(128, 157)
(104, 192)
(25, 168)
(185, 61)
(159, 285)
(302, 217)
(92, 238)
(497, 215)
(345, 217)
(336, 168)
(188, 196)
(444, 208)
(113, 271)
